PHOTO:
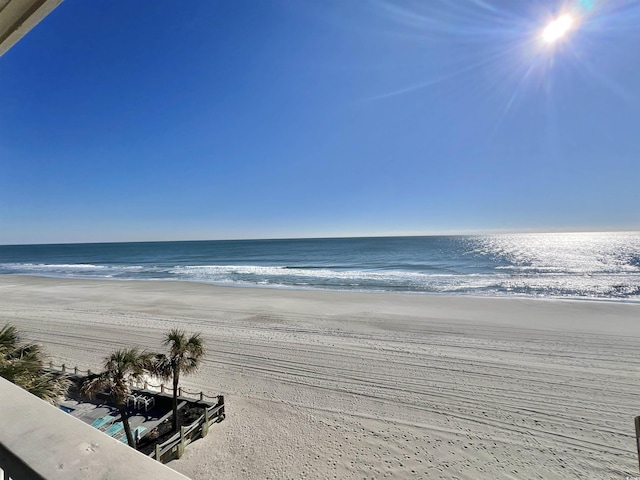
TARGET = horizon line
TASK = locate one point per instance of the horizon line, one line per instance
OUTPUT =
(337, 237)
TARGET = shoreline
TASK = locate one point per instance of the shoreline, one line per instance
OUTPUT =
(348, 384)
(330, 290)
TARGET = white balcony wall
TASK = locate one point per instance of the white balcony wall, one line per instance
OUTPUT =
(40, 441)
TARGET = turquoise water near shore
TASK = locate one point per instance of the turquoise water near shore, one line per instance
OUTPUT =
(603, 265)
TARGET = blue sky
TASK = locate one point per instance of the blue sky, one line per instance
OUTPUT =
(124, 121)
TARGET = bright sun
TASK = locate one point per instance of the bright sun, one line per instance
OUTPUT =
(558, 28)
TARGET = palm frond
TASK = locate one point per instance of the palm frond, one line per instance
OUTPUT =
(185, 354)
(195, 345)
(161, 366)
(175, 339)
(96, 384)
(119, 367)
(9, 338)
(190, 365)
(23, 364)
(49, 387)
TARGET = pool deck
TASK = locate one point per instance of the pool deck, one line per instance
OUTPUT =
(89, 411)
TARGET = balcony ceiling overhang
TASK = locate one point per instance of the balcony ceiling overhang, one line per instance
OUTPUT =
(17, 17)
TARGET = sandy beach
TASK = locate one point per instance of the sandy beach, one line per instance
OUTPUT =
(352, 385)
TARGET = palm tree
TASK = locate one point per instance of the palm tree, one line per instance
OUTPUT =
(185, 354)
(23, 364)
(119, 367)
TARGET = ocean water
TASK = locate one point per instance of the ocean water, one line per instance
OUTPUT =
(569, 265)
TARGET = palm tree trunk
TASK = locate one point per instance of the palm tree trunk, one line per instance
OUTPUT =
(176, 375)
(127, 427)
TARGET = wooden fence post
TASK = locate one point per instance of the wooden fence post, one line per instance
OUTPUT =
(64, 368)
(182, 444)
(638, 439)
(201, 396)
(162, 388)
(75, 370)
(158, 453)
(205, 425)
(221, 414)
(179, 391)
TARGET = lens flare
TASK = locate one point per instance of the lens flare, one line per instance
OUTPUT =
(558, 28)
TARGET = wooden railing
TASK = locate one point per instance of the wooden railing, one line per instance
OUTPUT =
(174, 447)
(140, 384)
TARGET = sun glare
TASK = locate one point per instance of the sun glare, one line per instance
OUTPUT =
(558, 28)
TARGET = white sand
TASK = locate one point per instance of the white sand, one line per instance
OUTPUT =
(346, 385)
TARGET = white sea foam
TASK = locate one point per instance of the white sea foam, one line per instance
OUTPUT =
(561, 265)
(45, 266)
(282, 271)
(82, 270)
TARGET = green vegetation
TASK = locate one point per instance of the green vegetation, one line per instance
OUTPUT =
(185, 355)
(23, 364)
(119, 368)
